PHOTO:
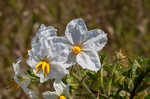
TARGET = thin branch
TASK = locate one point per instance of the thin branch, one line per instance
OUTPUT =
(137, 83)
(84, 85)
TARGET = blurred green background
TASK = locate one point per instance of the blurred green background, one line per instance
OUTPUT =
(127, 23)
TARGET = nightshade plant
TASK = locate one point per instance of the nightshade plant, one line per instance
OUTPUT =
(72, 65)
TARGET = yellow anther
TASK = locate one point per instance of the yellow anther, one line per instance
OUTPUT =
(62, 97)
(76, 49)
(47, 68)
(38, 67)
(44, 65)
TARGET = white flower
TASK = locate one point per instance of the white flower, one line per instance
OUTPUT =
(21, 79)
(44, 33)
(61, 91)
(83, 44)
(47, 58)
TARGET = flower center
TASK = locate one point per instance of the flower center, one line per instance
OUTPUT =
(76, 49)
(62, 97)
(44, 65)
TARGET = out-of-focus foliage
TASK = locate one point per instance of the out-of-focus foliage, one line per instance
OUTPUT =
(127, 23)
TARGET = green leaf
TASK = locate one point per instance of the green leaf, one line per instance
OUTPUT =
(31, 74)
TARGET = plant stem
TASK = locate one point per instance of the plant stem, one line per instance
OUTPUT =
(84, 85)
(137, 83)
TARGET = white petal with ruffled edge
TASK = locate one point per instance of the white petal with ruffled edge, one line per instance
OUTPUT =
(57, 71)
(32, 62)
(22, 83)
(50, 95)
(21, 75)
(16, 66)
(59, 86)
(31, 93)
(22, 80)
(60, 89)
(95, 40)
(58, 49)
(71, 59)
(39, 50)
(89, 60)
(43, 33)
(75, 31)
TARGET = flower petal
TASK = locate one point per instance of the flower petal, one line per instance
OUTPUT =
(20, 77)
(59, 49)
(66, 91)
(57, 71)
(89, 60)
(22, 80)
(32, 62)
(59, 86)
(39, 49)
(71, 59)
(95, 40)
(30, 93)
(50, 95)
(44, 33)
(41, 76)
(75, 31)
(47, 31)
(16, 66)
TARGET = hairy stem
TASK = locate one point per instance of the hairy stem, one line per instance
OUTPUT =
(84, 85)
(137, 83)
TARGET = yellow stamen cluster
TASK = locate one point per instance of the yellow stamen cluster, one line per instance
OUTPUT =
(76, 49)
(44, 65)
(62, 97)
